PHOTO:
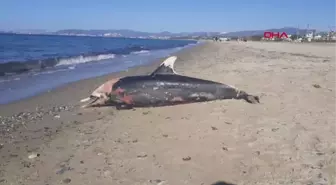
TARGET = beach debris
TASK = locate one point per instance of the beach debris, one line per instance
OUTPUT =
(57, 116)
(161, 88)
(33, 155)
(188, 158)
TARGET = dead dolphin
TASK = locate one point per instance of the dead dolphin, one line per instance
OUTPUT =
(162, 87)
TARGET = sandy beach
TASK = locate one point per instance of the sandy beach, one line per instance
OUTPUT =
(289, 138)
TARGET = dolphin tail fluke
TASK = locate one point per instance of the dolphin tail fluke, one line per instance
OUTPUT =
(247, 97)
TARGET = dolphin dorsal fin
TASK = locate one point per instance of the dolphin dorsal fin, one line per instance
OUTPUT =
(166, 67)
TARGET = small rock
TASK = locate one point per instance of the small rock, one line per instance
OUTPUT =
(157, 181)
(135, 141)
(82, 162)
(258, 152)
(274, 129)
(165, 135)
(66, 181)
(229, 123)
(214, 128)
(1, 146)
(26, 164)
(142, 155)
(76, 122)
(316, 86)
(145, 113)
(57, 116)
(13, 155)
(225, 149)
(186, 158)
(319, 153)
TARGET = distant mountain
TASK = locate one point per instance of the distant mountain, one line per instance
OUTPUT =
(165, 34)
(132, 33)
(288, 30)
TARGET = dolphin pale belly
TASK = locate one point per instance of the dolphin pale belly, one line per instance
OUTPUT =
(162, 87)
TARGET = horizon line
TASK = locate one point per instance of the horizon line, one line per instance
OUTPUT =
(116, 29)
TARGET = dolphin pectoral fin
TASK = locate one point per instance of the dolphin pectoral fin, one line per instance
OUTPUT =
(121, 106)
(166, 67)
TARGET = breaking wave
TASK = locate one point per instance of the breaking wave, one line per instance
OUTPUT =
(84, 59)
(140, 52)
(40, 64)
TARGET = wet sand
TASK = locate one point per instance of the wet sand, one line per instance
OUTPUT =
(287, 139)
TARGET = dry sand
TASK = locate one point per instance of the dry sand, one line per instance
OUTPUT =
(287, 139)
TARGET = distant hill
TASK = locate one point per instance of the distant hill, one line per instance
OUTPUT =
(132, 33)
(288, 30)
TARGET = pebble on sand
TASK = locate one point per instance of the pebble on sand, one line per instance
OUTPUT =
(186, 158)
(66, 181)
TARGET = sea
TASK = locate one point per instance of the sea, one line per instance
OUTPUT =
(32, 64)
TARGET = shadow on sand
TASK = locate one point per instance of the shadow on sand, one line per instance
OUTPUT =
(222, 183)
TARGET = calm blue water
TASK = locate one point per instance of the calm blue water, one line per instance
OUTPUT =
(31, 64)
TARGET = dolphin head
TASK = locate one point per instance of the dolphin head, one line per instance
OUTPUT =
(100, 96)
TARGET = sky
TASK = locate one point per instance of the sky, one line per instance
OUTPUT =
(166, 15)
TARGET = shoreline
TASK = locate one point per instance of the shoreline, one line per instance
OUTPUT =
(287, 139)
(98, 79)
